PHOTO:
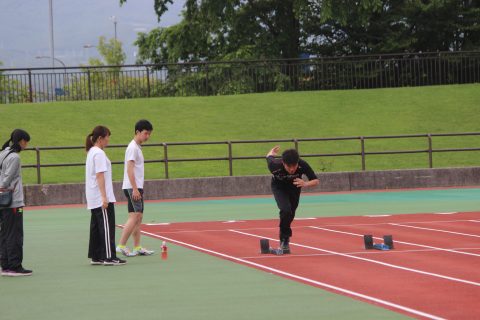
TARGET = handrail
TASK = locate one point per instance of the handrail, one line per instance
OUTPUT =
(362, 153)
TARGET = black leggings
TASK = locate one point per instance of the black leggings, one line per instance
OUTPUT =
(287, 201)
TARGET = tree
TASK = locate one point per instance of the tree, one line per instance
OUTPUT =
(384, 26)
(111, 51)
(214, 30)
(249, 29)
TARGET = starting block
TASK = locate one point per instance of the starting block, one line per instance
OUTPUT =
(264, 246)
(266, 249)
(387, 245)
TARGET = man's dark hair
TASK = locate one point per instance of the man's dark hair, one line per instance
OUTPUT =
(290, 157)
(143, 125)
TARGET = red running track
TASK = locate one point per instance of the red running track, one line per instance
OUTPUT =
(432, 273)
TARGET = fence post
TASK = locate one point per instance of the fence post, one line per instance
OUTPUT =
(295, 141)
(39, 177)
(362, 143)
(89, 85)
(206, 79)
(165, 159)
(230, 160)
(430, 152)
(30, 89)
(148, 83)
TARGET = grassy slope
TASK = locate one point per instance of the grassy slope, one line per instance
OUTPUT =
(257, 116)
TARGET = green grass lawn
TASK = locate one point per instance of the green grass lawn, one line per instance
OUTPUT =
(438, 109)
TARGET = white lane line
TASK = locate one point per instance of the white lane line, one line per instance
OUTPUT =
(437, 230)
(371, 261)
(377, 215)
(445, 212)
(369, 252)
(158, 224)
(304, 279)
(404, 242)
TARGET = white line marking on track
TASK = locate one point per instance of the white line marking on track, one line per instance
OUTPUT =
(377, 215)
(158, 224)
(370, 252)
(372, 261)
(232, 221)
(308, 280)
(445, 212)
(404, 242)
(305, 218)
(474, 220)
(437, 230)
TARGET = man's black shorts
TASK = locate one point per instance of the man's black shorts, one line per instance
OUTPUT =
(134, 206)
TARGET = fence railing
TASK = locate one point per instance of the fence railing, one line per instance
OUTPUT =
(362, 153)
(233, 77)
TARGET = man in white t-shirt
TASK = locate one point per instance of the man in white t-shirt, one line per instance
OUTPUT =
(133, 180)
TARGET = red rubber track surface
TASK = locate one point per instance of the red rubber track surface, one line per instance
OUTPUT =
(433, 272)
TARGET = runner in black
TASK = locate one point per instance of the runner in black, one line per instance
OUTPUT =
(287, 184)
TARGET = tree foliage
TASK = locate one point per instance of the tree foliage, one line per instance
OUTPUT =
(111, 52)
(247, 29)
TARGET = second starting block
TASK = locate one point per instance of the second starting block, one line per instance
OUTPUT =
(386, 245)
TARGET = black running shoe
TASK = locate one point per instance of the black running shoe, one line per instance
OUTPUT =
(19, 272)
(115, 262)
(97, 262)
(284, 245)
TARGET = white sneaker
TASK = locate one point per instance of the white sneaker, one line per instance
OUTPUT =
(143, 252)
(125, 251)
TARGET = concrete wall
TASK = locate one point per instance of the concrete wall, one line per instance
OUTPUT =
(52, 194)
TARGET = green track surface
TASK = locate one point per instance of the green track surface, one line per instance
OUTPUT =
(190, 285)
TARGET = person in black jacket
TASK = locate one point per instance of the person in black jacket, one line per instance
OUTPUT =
(287, 184)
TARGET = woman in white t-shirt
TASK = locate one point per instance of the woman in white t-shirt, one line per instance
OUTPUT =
(100, 199)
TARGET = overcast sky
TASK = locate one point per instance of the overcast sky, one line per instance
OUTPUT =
(24, 28)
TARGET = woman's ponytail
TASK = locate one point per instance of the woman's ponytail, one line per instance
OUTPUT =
(6, 144)
(89, 142)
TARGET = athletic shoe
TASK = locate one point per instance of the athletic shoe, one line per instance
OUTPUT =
(284, 245)
(114, 262)
(125, 251)
(19, 272)
(143, 252)
(5, 272)
(97, 262)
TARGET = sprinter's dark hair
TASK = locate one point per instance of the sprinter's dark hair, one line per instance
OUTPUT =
(16, 136)
(98, 131)
(290, 157)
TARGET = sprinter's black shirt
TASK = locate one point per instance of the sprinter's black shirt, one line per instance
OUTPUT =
(282, 178)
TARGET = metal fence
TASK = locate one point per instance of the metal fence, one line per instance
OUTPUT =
(234, 77)
(362, 153)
